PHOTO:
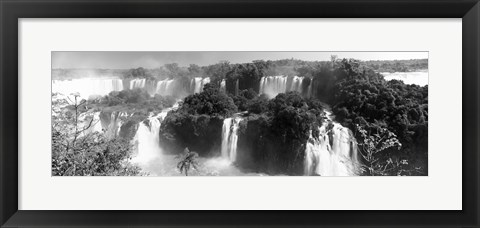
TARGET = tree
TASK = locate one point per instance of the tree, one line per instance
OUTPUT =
(78, 150)
(258, 105)
(195, 70)
(242, 99)
(218, 71)
(188, 160)
(173, 69)
(370, 147)
(210, 102)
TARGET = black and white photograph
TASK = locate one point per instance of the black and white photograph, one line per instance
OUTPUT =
(239, 113)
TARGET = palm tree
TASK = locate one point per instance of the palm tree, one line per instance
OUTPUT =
(189, 160)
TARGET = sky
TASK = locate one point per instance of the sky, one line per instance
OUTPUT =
(126, 60)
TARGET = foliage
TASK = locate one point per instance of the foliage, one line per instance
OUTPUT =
(209, 102)
(77, 150)
(197, 122)
(402, 109)
(173, 70)
(258, 104)
(398, 65)
(139, 72)
(363, 97)
(274, 136)
(138, 97)
(242, 99)
(370, 147)
(293, 116)
(244, 76)
(187, 160)
(217, 72)
(384, 114)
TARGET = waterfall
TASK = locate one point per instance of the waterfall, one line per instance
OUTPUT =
(151, 87)
(147, 138)
(197, 83)
(223, 86)
(165, 87)
(332, 153)
(230, 138)
(273, 85)
(87, 87)
(296, 84)
(204, 82)
(137, 83)
(309, 89)
(97, 125)
(112, 123)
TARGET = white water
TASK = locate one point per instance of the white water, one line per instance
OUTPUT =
(165, 87)
(147, 140)
(87, 87)
(230, 138)
(112, 127)
(296, 84)
(137, 83)
(196, 84)
(109, 126)
(97, 125)
(151, 159)
(273, 85)
(416, 78)
(309, 89)
(332, 153)
(223, 86)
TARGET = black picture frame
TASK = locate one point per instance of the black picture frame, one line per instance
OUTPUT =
(12, 10)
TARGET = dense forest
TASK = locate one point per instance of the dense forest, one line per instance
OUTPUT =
(275, 67)
(398, 65)
(388, 119)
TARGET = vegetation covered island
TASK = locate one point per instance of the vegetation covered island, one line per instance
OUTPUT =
(341, 117)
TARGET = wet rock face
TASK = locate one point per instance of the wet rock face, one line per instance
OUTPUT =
(116, 122)
(128, 129)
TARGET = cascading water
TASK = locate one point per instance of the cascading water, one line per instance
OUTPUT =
(332, 153)
(223, 86)
(165, 87)
(111, 124)
(196, 84)
(87, 87)
(137, 83)
(97, 126)
(296, 84)
(230, 138)
(273, 85)
(147, 139)
(309, 89)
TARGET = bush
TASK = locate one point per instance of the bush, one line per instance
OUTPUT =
(209, 102)
(243, 98)
(77, 151)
